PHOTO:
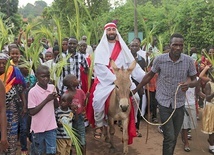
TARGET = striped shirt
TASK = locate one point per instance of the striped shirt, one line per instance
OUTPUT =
(73, 66)
(170, 74)
(65, 117)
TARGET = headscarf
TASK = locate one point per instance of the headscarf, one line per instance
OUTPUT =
(103, 53)
(4, 56)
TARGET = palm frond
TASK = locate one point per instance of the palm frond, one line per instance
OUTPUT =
(56, 69)
(46, 32)
(59, 32)
(90, 74)
(73, 135)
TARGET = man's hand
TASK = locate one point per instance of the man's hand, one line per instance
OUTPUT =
(184, 86)
(134, 91)
(3, 145)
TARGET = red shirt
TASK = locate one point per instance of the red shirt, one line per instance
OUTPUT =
(79, 100)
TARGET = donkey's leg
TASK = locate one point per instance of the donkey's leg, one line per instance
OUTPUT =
(125, 136)
(105, 133)
(111, 132)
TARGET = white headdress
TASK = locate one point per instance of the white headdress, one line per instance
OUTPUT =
(102, 52)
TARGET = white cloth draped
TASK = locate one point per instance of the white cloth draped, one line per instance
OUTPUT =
(103, 73)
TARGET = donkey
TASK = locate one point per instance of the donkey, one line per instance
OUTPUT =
(119, 104)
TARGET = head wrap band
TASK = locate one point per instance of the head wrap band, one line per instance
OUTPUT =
(108, 25)
(4, 56)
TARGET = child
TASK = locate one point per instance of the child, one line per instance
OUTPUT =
(82, 48)
(49, 55)
(190, 120)
(42, 99)
(71, 82)
(56, 54)
(14, 53)
(49, 59)
(208, 112)
(64, 115)
(24, 123)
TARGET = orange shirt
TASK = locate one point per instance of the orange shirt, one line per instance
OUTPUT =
(153, 82)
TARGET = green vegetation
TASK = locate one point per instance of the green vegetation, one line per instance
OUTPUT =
(192, 18)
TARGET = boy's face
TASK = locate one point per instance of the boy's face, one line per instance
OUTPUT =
(72, 45)
(48, 56)
(43, 77)
(15, 54)
(64, 103)
(64, 45)
(134, 47)
(24, 71)
(55, 52)
(74, 82)
(82, 48)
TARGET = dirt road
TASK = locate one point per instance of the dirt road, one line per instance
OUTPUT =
(198, 144)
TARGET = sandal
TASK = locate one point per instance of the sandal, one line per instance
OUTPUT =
(98, 133)
(186, 149)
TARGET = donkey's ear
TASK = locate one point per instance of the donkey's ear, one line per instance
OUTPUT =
(113, 65)
(132, 66)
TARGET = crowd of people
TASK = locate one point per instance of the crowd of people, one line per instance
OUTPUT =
(38, 105)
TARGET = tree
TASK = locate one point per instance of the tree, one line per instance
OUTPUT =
(31, 10)
(9, 10)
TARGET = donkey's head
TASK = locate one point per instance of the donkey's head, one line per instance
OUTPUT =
(123, 84)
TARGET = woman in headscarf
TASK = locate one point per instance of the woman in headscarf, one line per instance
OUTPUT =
(14, 86)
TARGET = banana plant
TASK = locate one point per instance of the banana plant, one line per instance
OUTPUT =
(4, 33)
(59, 32)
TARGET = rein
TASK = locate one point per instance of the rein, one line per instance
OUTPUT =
(157, 124)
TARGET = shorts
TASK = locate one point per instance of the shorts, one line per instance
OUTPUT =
(190, 120)
(44, 142)
(63, 146)
(79, 126)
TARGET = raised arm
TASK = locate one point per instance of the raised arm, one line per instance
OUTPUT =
(203, 76)
(34, 111)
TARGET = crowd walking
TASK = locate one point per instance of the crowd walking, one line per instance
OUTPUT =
(39, 99)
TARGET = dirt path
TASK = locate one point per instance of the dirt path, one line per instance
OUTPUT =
(153, 146)
(198, 144)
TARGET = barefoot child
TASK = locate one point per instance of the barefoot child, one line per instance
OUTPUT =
(78, 104)
(42, 101)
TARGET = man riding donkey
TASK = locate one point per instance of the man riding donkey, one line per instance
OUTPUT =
(111, 47)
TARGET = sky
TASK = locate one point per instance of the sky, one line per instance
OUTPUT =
(24, 2)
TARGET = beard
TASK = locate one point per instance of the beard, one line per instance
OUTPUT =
(111, 36)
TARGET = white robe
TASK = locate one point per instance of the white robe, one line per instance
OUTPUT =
(106, 79)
